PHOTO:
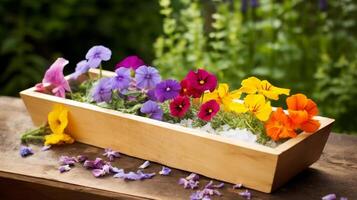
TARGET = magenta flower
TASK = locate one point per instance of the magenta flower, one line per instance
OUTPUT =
(55, 78)
(208, 110)
(167, 89)
(152, 109)
(97, 54)
(147, 77)
(81, 68)
(132, 62)
(201, 80)
(122, 79)
(102, 91)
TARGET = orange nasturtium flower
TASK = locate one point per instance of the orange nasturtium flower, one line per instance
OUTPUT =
(58, 121)
(253, 85)
(254, 103)
(222, 95)
(279, 126)
(301, 111)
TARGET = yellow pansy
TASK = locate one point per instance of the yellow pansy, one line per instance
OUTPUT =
(253, 85)
(256, 104)
(55, 138)
(222, 95)
(58, 119)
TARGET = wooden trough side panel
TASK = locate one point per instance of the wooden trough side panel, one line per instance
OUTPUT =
(298, 155)
(150, 140)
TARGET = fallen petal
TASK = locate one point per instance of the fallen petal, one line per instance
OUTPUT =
(25, 151)
(245, 194)
(329, 197)
(144, 165)
(64, 168)
(165, 171)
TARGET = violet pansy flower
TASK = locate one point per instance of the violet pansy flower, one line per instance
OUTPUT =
(26, 151)
(152, 109)
(64, 168)
(81, 68)
(147, 77)
(122, 79)
(165, 171)
(168, 89)
(144, 165)
(132, 62)
(55, 78)
(97, 54)
(111, 154)
(102, 91)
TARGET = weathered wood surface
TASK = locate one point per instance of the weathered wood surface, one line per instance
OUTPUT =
(335, 172)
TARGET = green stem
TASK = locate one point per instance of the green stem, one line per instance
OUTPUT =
(35, 138)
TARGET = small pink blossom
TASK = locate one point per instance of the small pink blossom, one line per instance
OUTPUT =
(55, 79)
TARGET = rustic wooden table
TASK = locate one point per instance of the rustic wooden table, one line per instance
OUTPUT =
(37, 177)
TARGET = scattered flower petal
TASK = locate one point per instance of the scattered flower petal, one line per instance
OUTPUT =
(98, 163)
(236, 186)
(26, 151)
(111, 154)
(64, 168)
(165, 171)
(190, 181)
(144, 165)
(132, 176)
(245, 194)
(82, 158)
(329, 197)
(46, 148)
(66, 160)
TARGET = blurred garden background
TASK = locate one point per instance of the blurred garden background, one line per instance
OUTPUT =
(308, 46)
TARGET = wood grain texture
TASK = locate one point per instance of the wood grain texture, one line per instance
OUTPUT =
(335, 172)
(256, 166)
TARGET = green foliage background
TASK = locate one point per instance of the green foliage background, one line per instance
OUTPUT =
(294, 44)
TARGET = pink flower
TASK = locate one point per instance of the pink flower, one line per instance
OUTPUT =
(201, 81)
(55, 79)
(208, 110)
(133, 62)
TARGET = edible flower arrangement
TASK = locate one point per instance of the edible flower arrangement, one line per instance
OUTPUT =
(197, 101)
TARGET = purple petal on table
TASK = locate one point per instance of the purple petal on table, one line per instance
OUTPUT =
(193, 177)
(98, 172)
(329, 197)
(236, 186)
(145, 175)
(245, 194)
(144, 165)
(66, 160)
(210, 185)
(25, 151)
(165, 171)
(139, 175)
(82, 158)
(206, 193)
(188, 183)
(109, 153)
(46, 147)
(343, 198)
(64, 168)
(98, 163)
(116, 170)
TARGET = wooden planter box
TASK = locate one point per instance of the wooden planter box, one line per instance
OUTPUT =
(258, 167)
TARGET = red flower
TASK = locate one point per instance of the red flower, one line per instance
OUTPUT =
(187, 90)
(201, 81)
(208, 110)
(179, 106)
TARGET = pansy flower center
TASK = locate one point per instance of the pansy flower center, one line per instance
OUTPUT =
(210, 110)
(148, 76)
(168, 89)
(202, 82)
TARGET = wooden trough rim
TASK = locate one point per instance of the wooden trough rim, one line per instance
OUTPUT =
(184, 130)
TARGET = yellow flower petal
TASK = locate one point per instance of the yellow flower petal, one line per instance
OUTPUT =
(222, 90)
(55, 138)
(264, 113)
(257, 105)
(58, 119)
(271, 91)
(237, 107)
(250, 85)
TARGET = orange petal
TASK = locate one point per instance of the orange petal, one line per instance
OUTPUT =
(274, 132)
(311, 108)
(310, 126)
(296, 102)
(297, 117)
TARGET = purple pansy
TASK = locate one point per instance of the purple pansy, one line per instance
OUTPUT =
(25, 151)
(66, 160)
(151, 95)
(144, 165)
(165, 171)
(167, 89)
(98, 163)
(132, 62)
(82, 158)
(245, 194)
(122, 79)
(81, 68)
(102, 91)
(139, 175)
(64, 168)
(329, 197)
(190, 181)
(97, 54)
(111, 154)
(147, 77)
(152, 109)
